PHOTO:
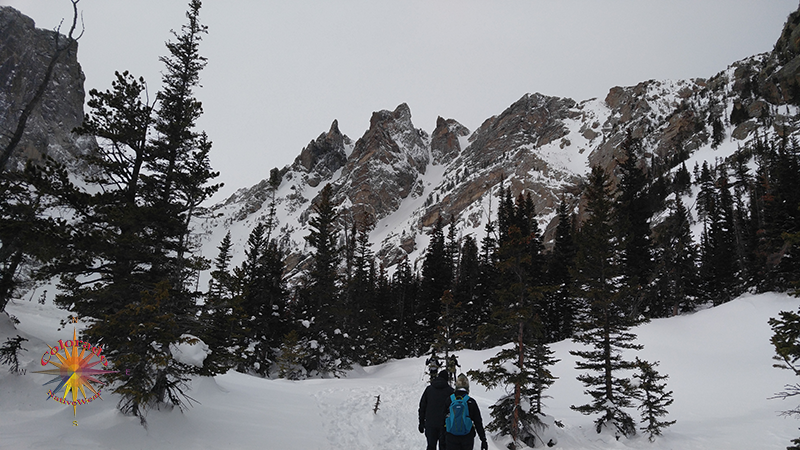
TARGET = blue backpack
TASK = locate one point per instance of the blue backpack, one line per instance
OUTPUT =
(458, 422)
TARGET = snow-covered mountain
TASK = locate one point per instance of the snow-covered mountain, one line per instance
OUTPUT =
(400, 178)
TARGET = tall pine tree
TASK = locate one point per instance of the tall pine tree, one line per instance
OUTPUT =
(605, 321)
(517, 318)
(128, 266)
(320, 294)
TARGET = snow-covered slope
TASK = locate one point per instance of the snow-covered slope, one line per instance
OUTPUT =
(718, 361)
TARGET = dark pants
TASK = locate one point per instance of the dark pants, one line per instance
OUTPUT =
(459, 442)
(434, 435)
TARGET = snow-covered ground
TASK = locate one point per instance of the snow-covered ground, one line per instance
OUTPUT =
(718, 361)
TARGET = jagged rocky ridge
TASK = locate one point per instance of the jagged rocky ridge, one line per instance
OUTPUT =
(400, 179)
(25, 53)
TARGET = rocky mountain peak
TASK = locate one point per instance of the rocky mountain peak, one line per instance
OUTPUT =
(533, 119)
(323, 156)
(445, 145)
(384, 166)
(400, 115)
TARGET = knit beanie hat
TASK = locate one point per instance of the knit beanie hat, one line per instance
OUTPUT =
(462, 382)
(445, 375)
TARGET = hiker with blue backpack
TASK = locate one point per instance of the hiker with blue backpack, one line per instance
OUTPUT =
(463, 419)
(432, 410)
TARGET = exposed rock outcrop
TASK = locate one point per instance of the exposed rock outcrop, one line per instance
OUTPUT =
(324, 156)
(445, 145)
(780, 81)
(25, 53)
(384, 166)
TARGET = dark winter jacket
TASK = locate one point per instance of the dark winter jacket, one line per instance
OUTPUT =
(432, 404)
(474, 414)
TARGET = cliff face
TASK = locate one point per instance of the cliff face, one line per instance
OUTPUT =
(398, 179)
(25, 53)
(384, 167)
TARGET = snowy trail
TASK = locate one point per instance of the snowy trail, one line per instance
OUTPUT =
(351, 424)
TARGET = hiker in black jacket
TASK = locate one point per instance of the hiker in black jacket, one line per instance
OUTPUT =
(432, 410)
(453, 442)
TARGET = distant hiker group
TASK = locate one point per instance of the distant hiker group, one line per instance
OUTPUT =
(447, 416)
(435, 365)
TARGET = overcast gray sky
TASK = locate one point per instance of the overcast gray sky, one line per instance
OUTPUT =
(279, 72)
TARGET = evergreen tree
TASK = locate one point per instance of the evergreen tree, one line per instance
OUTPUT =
(516, 318)
(320, 293)
(717, 131)
(561, 305)
(519, 413)
(605, 322)
(259, 305)
(654, 400)
(720, 250)
(682, 183)
(674, 283)
(465, 292)
(293, 354)
(9, 354)
(777, 213)
(437, 276)
(365, 325)
(633, 212)
(505, 214)
(786, 341)
(448, 338)
(487, 285)
(219, 318)
(131, 235)
(711, 239)
(405, 291)
(221, 284)
(29, 232)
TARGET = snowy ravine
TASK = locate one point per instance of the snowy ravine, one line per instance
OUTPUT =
(718, 361)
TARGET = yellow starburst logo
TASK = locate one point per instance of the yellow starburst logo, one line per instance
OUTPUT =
(74, 371)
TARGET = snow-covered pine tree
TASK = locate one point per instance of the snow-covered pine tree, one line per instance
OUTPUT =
(218, 318)
(363, 322)
(520, 296)
(402, 338)
(320, 292)
(259, 303)
(465, 285)
(9, 354)
(487, 285)
(605, 321)
(633, 211)
(436, 278)
(561, 260)
(131, 235)
(518, 414)
(674, 284)
(653, 399)
(786, 340)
